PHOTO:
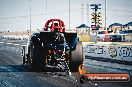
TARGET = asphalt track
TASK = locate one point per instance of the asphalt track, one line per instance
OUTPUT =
(14, 74)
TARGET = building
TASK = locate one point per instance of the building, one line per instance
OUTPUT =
(118, 26)
(115, 26)
(128, 26)
(83, 29)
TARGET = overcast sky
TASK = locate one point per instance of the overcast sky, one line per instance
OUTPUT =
(14, 14)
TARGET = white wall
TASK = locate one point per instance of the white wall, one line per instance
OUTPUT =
(15, 37)
(118, 52)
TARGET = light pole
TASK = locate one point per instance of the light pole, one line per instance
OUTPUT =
(46, 9)
(82, 17)
(87, 13)
(105, 16)
(30, 16)
(69, 16)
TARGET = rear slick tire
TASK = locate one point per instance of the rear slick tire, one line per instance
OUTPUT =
(38, 60)
(76, 58)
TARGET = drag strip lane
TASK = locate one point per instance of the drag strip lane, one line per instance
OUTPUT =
(14, 74)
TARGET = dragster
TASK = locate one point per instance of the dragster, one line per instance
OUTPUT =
(53, 46)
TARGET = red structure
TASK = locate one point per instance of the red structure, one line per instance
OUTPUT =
(55, 25)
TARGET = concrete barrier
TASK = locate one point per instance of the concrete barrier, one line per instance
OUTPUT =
(84, 38)
(93, 38)
(127, 38)
(108, 50)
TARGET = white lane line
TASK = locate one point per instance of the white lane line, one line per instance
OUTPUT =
(24, 45)
(16, 44)
(1, 42)
(13, 44)
(9, 43)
